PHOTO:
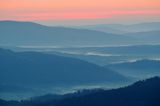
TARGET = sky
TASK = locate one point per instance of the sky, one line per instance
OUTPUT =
(80, 11)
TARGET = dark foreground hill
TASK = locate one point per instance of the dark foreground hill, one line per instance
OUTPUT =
(141, 93)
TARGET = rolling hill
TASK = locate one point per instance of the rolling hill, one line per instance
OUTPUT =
(39, 71)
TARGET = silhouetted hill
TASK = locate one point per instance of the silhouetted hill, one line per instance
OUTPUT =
(140, 68)
(55, 97)
(141, 93)
(39, 70)
(29, 33)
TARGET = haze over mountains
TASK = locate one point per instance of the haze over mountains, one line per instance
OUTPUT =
(42, 59)
(39, 71)
(139, 61)
(103, 55)
(144, 32)
(116, 50)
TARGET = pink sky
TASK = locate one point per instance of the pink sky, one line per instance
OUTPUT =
(76, 9)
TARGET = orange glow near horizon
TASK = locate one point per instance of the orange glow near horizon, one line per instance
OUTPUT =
(75, 9)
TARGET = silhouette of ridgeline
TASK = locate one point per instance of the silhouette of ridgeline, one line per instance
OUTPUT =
(141, 93)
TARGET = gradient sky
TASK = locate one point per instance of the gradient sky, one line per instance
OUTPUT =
(60, 10)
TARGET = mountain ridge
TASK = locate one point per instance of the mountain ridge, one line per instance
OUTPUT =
(29, 33)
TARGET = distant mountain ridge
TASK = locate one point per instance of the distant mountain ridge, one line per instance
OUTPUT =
(28, 33)
(143, 32)
(124, 28)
